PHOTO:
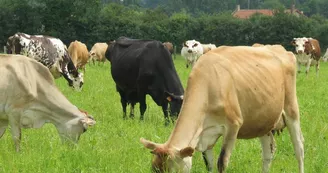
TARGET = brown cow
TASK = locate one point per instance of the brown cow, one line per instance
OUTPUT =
(97, 53)
(310, 47)
(79, 54)
(169, 46)
(237, 92)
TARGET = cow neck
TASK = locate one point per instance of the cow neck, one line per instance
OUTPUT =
(172, 82)
(190, 122)
(61, 109)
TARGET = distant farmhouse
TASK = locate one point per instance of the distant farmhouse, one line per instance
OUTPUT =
(247, 13)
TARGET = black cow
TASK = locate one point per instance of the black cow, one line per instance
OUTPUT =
(49, 51)
(141, 67)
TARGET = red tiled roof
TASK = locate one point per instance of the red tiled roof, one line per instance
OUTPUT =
(244, 14)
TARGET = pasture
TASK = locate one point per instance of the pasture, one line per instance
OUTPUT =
(112, 145)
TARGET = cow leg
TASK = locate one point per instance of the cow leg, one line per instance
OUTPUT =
(123, 102)
(308, 66)
(208, 159)
(268, 148)
(132, 110)
(143, 106)
(83, 69)
(166, 114)
(295, 132)
(298, 67)
(15, 132)
(317, 66)
(3, 127)
(229, 140)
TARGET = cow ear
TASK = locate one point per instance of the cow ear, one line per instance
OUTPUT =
(149, 144)
(186, 152)
(293, 42)
(184, 44)
(171, 96)
(88, 121)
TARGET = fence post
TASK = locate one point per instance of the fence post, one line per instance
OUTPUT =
(4, 49)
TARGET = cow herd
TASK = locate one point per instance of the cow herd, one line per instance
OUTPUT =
(237, 92)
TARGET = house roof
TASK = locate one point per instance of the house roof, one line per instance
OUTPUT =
(244, 14)
(247, 13)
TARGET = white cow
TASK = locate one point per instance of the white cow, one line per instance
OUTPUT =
(51, 52)
(191, 51)
(29, 98)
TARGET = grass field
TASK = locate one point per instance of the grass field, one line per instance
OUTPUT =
(112, 145)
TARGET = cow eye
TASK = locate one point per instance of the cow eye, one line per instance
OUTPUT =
(195, 45)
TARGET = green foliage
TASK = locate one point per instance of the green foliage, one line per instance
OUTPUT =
(92, 21)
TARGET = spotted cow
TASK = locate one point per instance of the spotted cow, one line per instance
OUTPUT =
(49, 51)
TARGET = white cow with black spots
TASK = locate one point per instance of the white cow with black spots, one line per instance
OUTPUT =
(50, 51)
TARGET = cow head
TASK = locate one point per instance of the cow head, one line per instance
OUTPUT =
(175, 103)
(13, 45)
(300, 44)
(77, 81)
(193, 46)
(73, 129)
(169, 159)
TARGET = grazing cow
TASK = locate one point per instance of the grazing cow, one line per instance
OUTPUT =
(51, 52)
(191, 51)
(29, 98)
(79, 54)
(308, 46)
(237, 92)
(208, 47)
(97, 53)
(141, 67)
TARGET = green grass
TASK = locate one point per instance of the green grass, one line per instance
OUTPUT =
(112, 145)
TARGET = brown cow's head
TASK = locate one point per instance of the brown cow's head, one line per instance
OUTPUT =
(299, 44)
(169, 159)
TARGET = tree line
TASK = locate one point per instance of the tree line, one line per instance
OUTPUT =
(309, 7)
(92, 21)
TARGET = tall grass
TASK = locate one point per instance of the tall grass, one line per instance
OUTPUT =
(112, 145)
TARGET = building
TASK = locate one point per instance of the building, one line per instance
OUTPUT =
(247, 13)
